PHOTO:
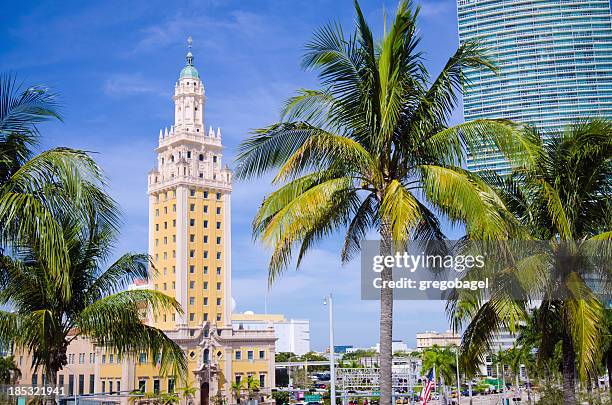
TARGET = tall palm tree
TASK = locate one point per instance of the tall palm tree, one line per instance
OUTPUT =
(521, 357)
(560, 195)
(442, 360)
(371, 150)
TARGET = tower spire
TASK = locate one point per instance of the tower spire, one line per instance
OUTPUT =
(189, 54)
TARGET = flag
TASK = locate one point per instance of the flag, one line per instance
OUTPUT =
(428, 387)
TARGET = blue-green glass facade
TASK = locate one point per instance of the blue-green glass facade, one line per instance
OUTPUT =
(554, 60)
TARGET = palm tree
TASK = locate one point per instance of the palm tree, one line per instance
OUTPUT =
(607, 351)
(560, 194)
(93, 302)
(188, 391)
(371, 150)
(236, 388)
(9, 372)
(252, 385)
(442, 360)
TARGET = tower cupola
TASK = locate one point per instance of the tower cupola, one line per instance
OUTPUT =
(189, 71)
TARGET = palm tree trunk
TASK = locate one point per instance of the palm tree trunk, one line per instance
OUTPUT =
(386, 319)
(528, 385)
(443, 390)
(569, 358)
(609, 364)
(470, 390)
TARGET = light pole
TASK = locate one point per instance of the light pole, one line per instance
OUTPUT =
(458, 380)
(332, 358)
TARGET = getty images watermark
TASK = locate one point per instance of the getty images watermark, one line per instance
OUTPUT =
(432, 270)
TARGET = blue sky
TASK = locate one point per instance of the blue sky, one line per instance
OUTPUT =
(114, 64)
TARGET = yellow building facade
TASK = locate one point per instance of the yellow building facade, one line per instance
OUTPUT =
(189, 236)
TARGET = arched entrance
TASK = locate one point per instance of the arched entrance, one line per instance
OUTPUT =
(204, 393)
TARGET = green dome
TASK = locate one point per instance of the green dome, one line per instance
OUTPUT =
(189, 72)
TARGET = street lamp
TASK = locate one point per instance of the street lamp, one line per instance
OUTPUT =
(332, 358)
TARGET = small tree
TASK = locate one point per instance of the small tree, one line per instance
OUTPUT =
(252, 385)
(9, 372)
(188, 391)
(281, 397)
(236, 388)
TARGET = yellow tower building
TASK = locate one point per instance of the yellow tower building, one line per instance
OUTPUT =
(190, 242)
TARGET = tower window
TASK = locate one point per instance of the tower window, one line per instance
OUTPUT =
(192, 191)
(206, 208)
(189, 152)
(205, 300)
(201, 157)
(192, 269)
(205, 269)
(214, 159)
(205, 238)
(218, 196)
(206, 194)
(218, 301)
(206, 285)
(205, 224)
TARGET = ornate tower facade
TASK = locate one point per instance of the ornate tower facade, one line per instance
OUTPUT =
(190, 213)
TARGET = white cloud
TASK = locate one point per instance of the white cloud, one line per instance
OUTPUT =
(127, 84)
(434, 9)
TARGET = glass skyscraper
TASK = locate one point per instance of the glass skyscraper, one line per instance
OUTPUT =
(554, 60)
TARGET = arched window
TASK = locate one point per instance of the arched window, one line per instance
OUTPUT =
(172, 158)
(201, 157)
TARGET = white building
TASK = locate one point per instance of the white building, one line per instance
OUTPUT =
(293, 335)
(396, 346)
(426, 340)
